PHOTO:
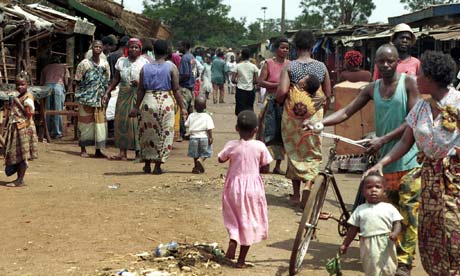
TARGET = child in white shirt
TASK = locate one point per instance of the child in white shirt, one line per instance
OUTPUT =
(378, 224)
(200, 127)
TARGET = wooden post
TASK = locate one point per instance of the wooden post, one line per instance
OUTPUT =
(2, 45)
(19, 55)
(28, 66)
(70, 61)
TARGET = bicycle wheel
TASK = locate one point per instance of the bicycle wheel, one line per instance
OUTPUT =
(308, 223)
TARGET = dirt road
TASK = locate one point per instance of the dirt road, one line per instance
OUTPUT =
(89, 216)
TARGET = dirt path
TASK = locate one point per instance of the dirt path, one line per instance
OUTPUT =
(68, 221)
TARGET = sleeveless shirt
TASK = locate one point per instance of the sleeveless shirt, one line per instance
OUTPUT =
(157, 76)
(274, 72)
(389, 114)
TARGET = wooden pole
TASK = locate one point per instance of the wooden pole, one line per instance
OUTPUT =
(283, 11)
(28, 66)
(2, 45)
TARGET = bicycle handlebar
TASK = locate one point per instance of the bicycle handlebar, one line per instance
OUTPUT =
(318, 130)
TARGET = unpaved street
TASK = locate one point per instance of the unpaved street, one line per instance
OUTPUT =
(89, 216)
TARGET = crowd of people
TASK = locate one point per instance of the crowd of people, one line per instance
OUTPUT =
(412, 193)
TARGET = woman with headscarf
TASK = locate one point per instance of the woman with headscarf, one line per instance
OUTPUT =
(352, 62)
(270, 121)
(127, 72)
(158, 93)
(303, 150)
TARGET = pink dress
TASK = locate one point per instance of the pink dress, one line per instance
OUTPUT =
(244, 206)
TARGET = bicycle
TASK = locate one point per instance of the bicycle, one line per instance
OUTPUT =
(312, 211)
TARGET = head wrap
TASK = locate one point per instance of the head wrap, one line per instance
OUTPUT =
(353, 58)
(132, 41)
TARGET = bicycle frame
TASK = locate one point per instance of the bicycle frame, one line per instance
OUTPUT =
(329, 177)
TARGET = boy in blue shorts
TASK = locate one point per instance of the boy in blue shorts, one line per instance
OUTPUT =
(200, 125)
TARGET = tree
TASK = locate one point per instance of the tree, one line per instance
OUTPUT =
(414, 5)
(338, 12)
(198, 21)
(308, 22)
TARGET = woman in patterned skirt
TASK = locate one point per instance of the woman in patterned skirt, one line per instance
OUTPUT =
(303, 150)
(157, 94)
(127, 72)
(434, 124)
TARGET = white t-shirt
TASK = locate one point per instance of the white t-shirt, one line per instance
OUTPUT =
(245, 71)
(374, 219)
(198, 124)
(231, 66)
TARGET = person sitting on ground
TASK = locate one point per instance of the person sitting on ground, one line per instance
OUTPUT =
(21, 140)
(378, 224)
(200, 126)
(246, 223)
(353, 73)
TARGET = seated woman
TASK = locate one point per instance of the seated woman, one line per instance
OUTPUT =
(353, 73)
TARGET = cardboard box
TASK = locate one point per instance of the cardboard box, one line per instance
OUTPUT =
(360, 124)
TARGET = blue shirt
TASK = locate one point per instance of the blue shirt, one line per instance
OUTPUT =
(186, 69)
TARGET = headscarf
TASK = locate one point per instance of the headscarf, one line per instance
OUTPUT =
(353, 58)
(132, 41)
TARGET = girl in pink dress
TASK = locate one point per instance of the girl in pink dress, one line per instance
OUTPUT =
(243, 201)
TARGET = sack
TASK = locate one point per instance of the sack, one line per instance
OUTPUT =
(272, 123)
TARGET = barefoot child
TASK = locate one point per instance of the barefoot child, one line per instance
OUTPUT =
(200, 126)
(379, 224)
(21, 137)
(244, 206)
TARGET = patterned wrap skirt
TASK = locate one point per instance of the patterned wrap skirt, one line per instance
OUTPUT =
(302, 148)
(92, 126)
(439, 217)
(126, 128)
(20, 144)
(156, 125)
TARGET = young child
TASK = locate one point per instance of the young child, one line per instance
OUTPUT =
(379, 224)
(200, 126)
(21, 137)
(244, 206)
